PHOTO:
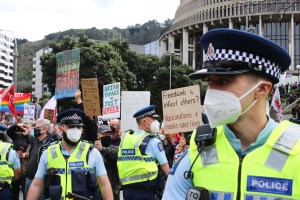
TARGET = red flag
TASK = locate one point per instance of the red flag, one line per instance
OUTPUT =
(9, 95)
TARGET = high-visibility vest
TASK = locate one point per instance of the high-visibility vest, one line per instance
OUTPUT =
(134, 167)
(272, 170)
(6, 170)
(63, 167)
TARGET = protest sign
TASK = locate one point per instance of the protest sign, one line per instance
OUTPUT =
(181, 109)
(111, 101)
(132, 102)
(29, 111)
(90, 93)
(67, 73)
(49, 114)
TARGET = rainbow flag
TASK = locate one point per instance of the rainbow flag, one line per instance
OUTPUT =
(20, 100)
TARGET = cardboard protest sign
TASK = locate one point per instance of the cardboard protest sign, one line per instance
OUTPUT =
(181, 109)
(67, 73)
(49, 114)
(111, 101)
(132, 101)
(90, 93)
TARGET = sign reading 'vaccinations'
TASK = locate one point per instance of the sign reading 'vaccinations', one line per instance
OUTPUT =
(67, 73)
(132, 101)
(182, 109)
(90, 94)
(111, 101)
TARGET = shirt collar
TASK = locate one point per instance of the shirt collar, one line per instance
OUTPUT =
(260, 140)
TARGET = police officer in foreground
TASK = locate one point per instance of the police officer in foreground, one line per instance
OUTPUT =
(140, 153)
(70, 169)
(10, 168)
(247, 155)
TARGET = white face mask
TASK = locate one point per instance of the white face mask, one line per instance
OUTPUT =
(161, 136)
(74, 134)
(154, 126)
(223, 107)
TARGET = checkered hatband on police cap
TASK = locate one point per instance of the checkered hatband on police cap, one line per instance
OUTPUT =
(262, 64)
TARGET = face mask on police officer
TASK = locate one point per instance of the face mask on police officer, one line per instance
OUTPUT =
(224, 107)
(74, 134)
(154, 127)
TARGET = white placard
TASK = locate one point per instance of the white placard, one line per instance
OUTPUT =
(29, 111)
(111, 101)
(132, 101)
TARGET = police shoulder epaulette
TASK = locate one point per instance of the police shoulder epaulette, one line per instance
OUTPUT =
(130, 131)
(88, 142)
(53, 143)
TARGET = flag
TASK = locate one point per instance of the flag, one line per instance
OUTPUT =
(51, 105)
(20, 100)
(283, 76)
(9, 96)
(276, 103)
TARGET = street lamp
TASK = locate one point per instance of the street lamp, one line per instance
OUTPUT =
(298, 68)
(171, 69)
(170, 83)
(15, 55)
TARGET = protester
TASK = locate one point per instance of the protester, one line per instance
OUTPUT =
(169, 146)
(42, 140)
(138, 152)
(20, 135)
(109, 153)
(72, 167)
(115, 123)
(247, 153)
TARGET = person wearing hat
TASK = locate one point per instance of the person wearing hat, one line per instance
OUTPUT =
(248, 155)
(10, 168)
(109, 153)
(71, 167)
(138, 153)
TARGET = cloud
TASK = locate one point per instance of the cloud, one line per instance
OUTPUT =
(33, 19)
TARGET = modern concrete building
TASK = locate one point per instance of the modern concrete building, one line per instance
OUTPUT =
(276, 20)
(152, 48)
(7, 56)
(38, 87)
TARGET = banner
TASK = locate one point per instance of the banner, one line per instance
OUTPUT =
(132, 102)
(67, 73)
(182, 109)
(111, 101)
(90, 94)
(276, 103)
(29, 111)
(20, 100)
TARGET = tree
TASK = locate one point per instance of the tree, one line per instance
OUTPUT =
(97, 60)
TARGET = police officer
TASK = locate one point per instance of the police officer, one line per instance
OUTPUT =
(137, 156)
(249, 155)
(10, 168)
(71, 167)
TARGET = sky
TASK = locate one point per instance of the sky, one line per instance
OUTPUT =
(33, 19)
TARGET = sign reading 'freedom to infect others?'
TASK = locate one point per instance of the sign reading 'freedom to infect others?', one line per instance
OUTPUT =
(182, 109)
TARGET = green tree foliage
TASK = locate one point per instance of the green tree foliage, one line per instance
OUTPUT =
(97, 60)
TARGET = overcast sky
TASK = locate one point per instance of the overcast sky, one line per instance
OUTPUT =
(33, 19)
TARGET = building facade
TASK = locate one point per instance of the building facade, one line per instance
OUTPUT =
(7, 56)
(276, 20)
(38, 87)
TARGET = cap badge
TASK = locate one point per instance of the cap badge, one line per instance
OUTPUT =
(210, 51)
